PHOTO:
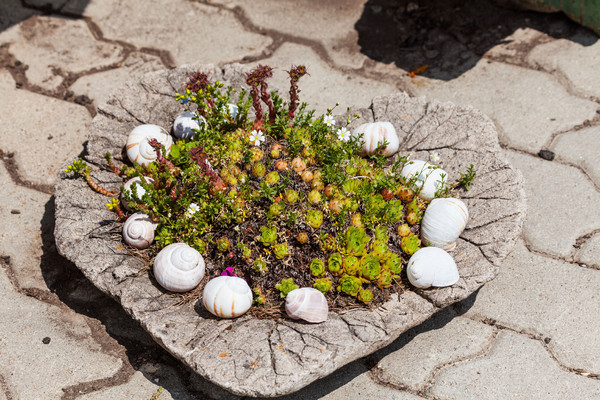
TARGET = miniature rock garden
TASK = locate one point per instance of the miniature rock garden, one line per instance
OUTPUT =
(257, 209)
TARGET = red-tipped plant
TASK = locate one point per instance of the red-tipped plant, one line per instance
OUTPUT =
(296, 72)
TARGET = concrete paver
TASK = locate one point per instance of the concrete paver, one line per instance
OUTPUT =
(575, 148)
(38, 368)
(551, 210)
(589, 253)
(578, 63)
(459, 339)
(527, 106)
(190, 31)
(549, 299)
(499, 376)
(325, 86)
(54, 47)
(42, 131)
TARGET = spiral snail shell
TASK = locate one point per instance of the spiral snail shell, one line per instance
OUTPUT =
(138, 231)
(427, 177)
(432, 266)
(138, 148)
(227, 296)
(185, 125)
(308, 304)
(375, 134)
(443, 222)
(138, 189)
(178, 267)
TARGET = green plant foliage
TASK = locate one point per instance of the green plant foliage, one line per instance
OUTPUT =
(334, 263)
(349, 284)
(317, 267)
(268, 236)
(351, 265)
(323, 285)
(370, 267)
(365, 295)
(286, 286)
(356, 241)
(410, 244)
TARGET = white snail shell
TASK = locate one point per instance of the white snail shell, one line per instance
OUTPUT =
(138, 230)
(432, 266)
(443, 222)
(233, 110)
(428, 178)
(227, 296)
(138, 188)
(178, 267)
(185, 123)
(375, 134)
(308, 304)
(138, 148)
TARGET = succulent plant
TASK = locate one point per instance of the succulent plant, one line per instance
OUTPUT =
(351, 265)
(328, 242)
(349, 284)
(302, 237)
(404, 230)
(314, 218)
(286, 286)
(385, 279)
(393, 263)
(410, 244)
(268, 235)
(356, 241)
(334, 263)
(259, 297)
(365, 295)
(258, 170)
(317, 267)
(223, 245)
(272, 178)
(290, 196)
(370, 267)
(260, 266)
(314, 197)
(323, 285)
(281, 250)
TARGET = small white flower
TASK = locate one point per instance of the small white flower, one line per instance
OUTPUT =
(192, 209)
(257, 137)
(343, 134)
(435, 157)
(328, 120)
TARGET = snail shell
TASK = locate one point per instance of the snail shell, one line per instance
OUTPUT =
(233, 110)
(138, 230)
(227, 296)
(308, 304)
(138, 188)
(376, 133)
(178, 267)
(428, 178)
(443, 222)
(184, 125)
(432, 266)
(138, 148)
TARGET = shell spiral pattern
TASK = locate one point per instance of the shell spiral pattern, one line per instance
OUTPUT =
(178, 267)
(227, 296)
(432, 266)
(443, 222)
(138, 231)
(138, 148)
(308, 304)
(375, 134)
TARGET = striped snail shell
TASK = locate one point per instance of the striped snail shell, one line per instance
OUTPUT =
(139, 150)
(375, 134)
(178, 267)
(138, 231)
(227, 296)
(308, 304)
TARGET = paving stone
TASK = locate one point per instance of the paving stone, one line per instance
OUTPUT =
(35, 370)
(53, 47)
(547, 298)
(190, 31)
(516, 368)
(516, 46)
(589, 253)
(100, 85)
(558, 196)
(330, 23)
(23, 245)
(324, 86)
(412, 365)
(578, 148)
(577, 62)
(144, 383)
(527, 106)
(43, 131)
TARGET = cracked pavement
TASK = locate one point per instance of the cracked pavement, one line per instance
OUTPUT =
(531, 333)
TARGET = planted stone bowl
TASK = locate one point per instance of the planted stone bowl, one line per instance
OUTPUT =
(264, 357)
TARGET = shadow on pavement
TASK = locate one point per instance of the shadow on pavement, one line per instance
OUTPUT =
(13, 12)
(450, 36)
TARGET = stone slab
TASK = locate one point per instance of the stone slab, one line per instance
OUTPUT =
(43, 131)
(548, 299)
(528, 106)
(413, 365)
(190, 31)
(578, 63)
(590, 252)
(498, 376)
(255, 357)
(35, 370)
(549, 212)
(52, 48)
(581, 148)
